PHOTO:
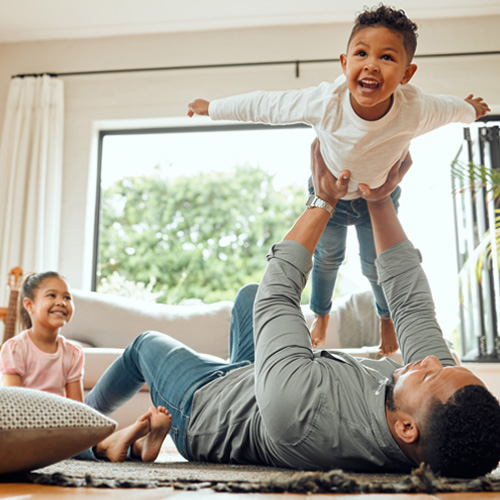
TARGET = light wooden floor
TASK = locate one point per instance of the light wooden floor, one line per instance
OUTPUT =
(38, 492)
(23, 491)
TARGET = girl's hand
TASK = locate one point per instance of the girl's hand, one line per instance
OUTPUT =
(393, 179)
(198, 107)
(481, 107)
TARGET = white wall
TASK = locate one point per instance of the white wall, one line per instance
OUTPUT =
(159, 95)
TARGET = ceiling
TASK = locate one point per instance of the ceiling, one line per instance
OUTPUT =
(28, 20)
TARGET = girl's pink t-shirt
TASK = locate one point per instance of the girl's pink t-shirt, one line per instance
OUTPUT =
(41, 370)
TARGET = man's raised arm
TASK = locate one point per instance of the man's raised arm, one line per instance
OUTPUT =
(404, 282)
(285, 371)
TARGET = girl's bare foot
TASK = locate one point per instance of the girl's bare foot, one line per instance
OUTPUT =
(388, 339)
(318, 330)
(148, 447)
(115, 447)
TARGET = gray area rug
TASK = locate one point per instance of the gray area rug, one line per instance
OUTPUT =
(172, 472)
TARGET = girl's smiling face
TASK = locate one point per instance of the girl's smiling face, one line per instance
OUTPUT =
(52, 306)
(375, 64)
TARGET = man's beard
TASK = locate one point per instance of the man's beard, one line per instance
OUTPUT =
(389, 394)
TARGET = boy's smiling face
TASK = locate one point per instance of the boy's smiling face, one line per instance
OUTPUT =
(375, 64)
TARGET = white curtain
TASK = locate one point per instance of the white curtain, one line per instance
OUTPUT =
(31, 177)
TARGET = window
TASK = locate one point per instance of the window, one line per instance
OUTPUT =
(191, 212)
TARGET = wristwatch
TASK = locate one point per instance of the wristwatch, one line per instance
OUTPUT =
(315, 201)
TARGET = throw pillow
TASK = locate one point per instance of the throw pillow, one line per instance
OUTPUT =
(38, 428)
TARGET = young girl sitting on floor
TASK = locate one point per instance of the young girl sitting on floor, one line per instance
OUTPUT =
(40, 358)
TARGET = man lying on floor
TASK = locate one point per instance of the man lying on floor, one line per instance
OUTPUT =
(291, 406)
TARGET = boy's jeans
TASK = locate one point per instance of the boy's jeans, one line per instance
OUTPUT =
(330, 253)
(173, 371)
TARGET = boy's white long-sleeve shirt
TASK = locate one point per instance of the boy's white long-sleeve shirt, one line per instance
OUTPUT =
(368, 149)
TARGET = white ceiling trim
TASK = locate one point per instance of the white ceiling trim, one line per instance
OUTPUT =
(29, 20)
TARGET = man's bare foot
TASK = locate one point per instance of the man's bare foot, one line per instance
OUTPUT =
(318, 330)
(115, 447)
(148, 447)
(388, 339)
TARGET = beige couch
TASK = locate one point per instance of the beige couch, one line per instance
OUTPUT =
(106, 324)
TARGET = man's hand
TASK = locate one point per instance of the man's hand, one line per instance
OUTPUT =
(395, 176)
(481, 107)
(326, 185)
(198, 107)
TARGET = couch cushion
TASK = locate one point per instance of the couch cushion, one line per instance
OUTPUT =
(110, 321)
(38, 428)
(97, 360)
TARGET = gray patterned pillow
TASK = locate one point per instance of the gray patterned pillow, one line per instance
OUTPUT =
(38, 428)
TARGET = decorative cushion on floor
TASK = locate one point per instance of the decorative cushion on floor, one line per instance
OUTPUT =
(38, 428)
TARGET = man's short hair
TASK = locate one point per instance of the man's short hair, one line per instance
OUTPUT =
(462, 436)
(390, 18)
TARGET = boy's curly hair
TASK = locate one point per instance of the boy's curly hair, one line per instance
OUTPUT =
(462, 436)
(390, 18)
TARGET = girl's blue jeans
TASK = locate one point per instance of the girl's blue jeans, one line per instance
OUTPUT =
(330, 253)
(173, 371)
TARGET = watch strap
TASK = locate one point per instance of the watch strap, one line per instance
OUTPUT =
(316, 201)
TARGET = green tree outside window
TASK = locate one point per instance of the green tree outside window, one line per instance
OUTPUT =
(200, 237)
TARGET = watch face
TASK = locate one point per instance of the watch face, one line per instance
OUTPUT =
(318, 202)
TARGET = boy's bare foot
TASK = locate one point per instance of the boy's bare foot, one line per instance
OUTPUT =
(318, 330)
(388, 339)
(148, 447)
(115, 447)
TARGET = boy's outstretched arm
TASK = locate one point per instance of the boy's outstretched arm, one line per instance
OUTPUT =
(481, 107)
(198, 107)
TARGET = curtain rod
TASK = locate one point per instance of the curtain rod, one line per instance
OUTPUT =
(297, 64)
